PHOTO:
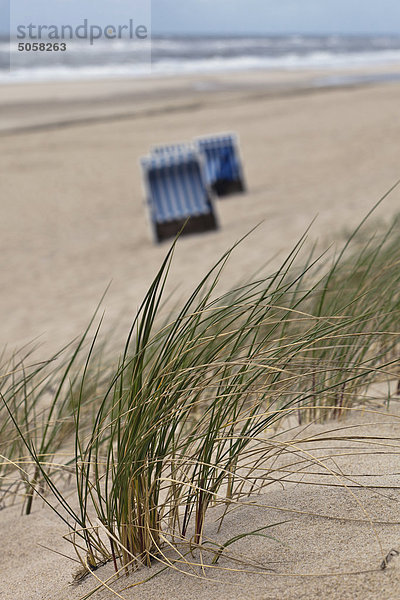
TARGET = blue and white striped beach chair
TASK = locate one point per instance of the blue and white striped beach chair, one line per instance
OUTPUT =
(172, 148)
(177, 193)
(224, 172)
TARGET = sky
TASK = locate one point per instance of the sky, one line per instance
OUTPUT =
(277, 16)
(221, 16)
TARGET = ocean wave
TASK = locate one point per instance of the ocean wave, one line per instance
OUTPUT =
(289, 61)
(171, 56)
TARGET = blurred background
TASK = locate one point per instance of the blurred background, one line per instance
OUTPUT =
(311, 88)
(203, 37)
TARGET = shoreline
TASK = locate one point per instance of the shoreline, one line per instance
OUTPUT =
(34, 106)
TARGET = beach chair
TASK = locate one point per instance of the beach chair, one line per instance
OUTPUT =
(172, 148)
(177, 193)
(224, 172)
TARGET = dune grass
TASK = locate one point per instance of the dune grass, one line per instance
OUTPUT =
(189, 417)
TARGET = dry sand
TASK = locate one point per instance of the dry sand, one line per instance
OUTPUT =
(73, 219)
(330, 545)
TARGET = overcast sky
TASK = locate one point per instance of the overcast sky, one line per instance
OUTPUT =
(277, 16)
(223, 16)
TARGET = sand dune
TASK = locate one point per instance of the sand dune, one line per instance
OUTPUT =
(330, 545)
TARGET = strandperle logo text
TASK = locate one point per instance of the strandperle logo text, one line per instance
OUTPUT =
(84, 31)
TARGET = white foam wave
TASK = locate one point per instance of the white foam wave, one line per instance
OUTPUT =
(172, 66)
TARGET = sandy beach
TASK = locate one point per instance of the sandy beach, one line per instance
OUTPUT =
(333, 534)
(73, 221)
(73, 214)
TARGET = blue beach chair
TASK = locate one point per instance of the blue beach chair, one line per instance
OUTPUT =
(177, 193)
(224, 172)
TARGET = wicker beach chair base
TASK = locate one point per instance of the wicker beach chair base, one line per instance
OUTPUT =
(227, 187)
(195, 224)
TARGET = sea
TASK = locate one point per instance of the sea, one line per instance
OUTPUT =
(174, 55)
